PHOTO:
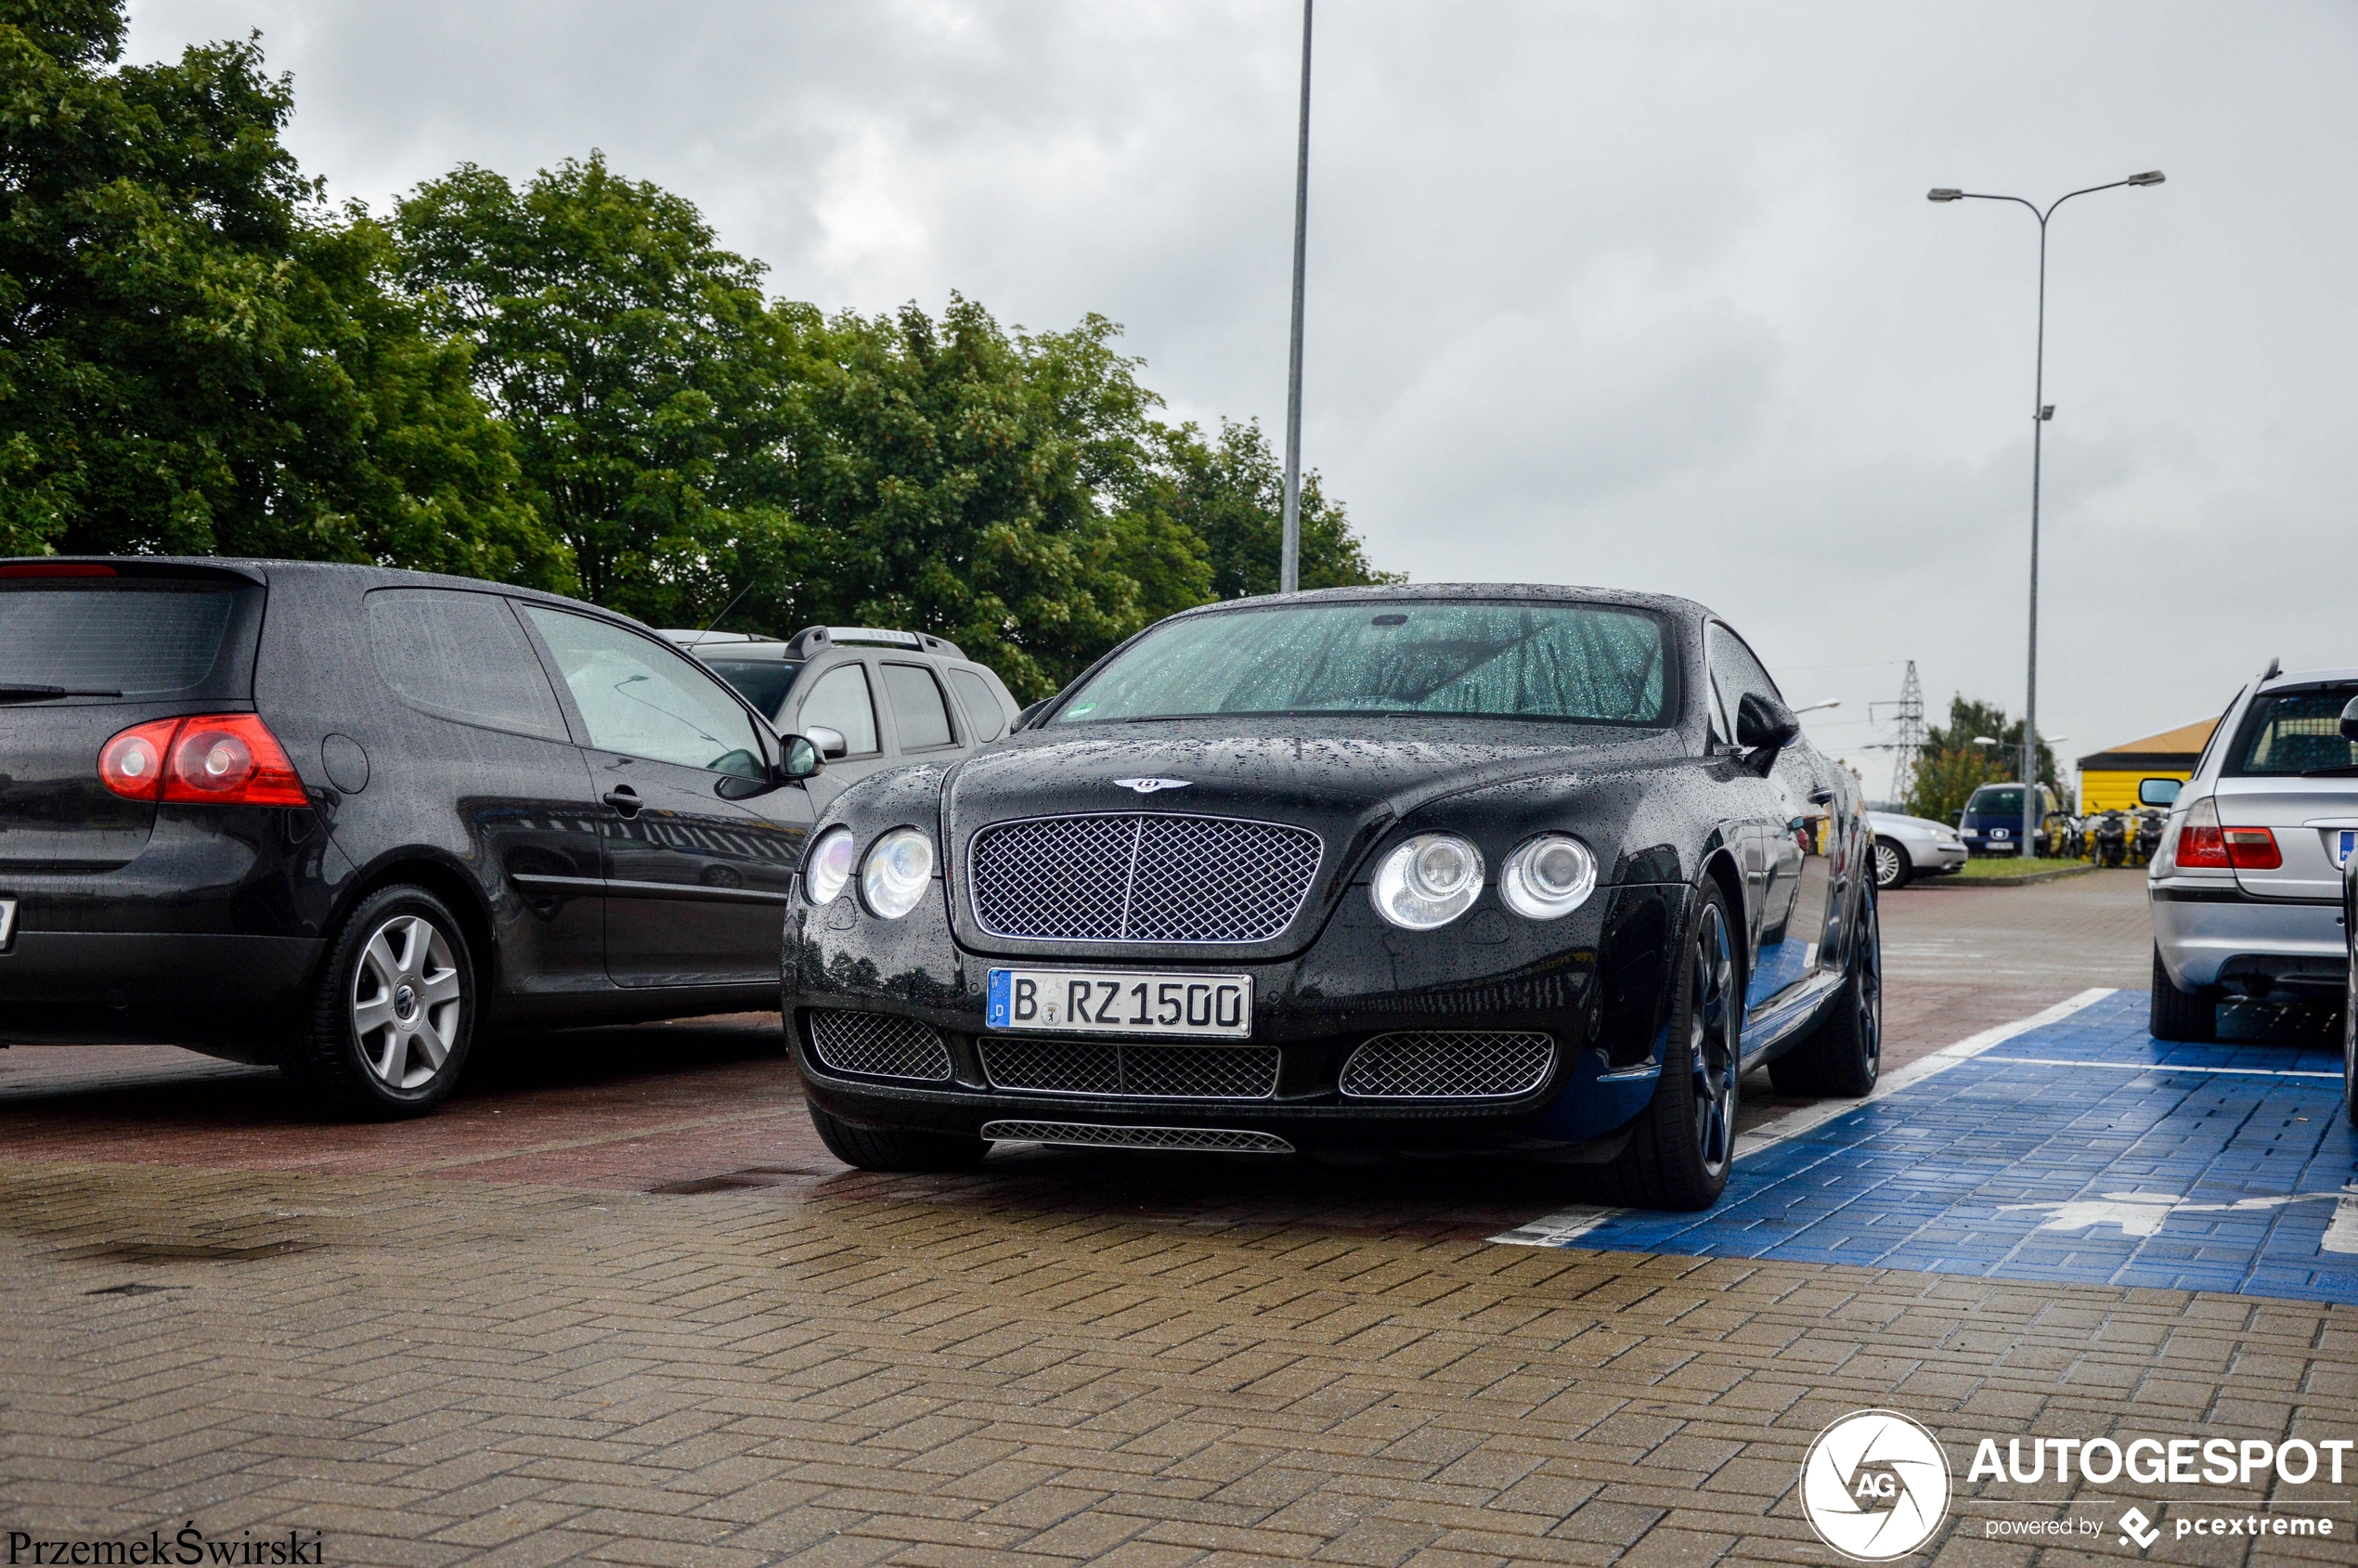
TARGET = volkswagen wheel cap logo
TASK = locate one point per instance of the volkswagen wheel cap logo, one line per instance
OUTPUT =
(1147, 787)
(1874, 1486)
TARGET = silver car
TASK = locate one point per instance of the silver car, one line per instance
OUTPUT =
(1907, 848)
(2246, 886)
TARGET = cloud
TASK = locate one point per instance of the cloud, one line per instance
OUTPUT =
(1638, 293)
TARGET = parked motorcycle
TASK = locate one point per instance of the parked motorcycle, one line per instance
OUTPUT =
(2073, 833)
(2111, 839)
(2148, 839)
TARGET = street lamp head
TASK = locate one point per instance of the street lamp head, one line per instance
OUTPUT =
(2151, 176)
(1942, 193)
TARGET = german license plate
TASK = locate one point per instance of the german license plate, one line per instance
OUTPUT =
(1122, 1001)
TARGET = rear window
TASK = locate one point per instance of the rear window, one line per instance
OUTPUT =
(2295, 733)
(763, 683)
(115, 637)
(981, 704)
(461, 656)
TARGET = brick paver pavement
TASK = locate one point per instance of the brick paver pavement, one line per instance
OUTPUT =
(590, 1313)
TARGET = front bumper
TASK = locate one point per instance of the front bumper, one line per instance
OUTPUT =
(1595, 983)
(2212, 934)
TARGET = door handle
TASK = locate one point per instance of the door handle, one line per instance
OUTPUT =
(623, 799)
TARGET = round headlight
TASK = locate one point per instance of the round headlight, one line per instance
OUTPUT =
(894, 875)
(828, 866)
(1429, 881)
(1548, 878)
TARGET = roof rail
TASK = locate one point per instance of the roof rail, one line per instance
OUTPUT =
(810, 639)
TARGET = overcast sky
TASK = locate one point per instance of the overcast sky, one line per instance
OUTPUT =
(1645, 294)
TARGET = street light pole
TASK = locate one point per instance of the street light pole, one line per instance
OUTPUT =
(2041, 412)
(1289, 548)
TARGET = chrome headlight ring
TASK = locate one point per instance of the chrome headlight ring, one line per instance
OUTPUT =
(828, 865)
(896, 872)
(1428, 881)
(1548, 878)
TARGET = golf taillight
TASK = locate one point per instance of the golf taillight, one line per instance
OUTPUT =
(214, 759)
(132, 763)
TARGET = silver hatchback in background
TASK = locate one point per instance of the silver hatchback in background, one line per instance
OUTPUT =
(1907, 848)
(2246, 886)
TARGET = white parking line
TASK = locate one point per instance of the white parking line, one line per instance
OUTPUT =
(1571, 1223)
(2341, 1231)
(2167, 1066)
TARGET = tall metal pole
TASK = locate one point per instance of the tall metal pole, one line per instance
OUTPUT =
(2038, 416)
(2030, 818)
(1289, 549)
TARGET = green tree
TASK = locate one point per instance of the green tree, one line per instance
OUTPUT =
(1231, 493)
(636, 361)
(1953, 764)
(195, 356)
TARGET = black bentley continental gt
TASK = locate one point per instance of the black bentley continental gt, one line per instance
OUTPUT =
(1525, 870)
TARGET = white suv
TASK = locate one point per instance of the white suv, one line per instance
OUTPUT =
(2246, 887)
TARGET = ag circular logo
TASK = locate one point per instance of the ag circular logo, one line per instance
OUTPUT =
(1874, 1486)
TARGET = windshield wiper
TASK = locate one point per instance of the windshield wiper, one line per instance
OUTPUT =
(13, 693)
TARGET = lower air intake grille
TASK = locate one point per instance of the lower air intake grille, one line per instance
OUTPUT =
(1088, 1136)
(878, 1046)
(1174, 1073)
(1439, 1066)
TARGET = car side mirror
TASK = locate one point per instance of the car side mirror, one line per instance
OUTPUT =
(2350, 721)
(798, 759)
(2161, 791)
(1765, 724)
(830, 744)
(1029, 714)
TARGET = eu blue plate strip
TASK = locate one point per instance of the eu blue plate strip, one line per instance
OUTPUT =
(2083, 1151)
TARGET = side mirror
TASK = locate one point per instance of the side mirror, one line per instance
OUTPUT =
(1029, 714)
(2350, 721)
(830, 744)
(1765, 724)
(798, 759)
(2161, 791)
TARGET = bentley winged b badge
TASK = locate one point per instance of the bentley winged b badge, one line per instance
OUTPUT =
(1147, 787)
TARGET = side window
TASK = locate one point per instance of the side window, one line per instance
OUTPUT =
(463, 657)
(1735, 672)
(990, 720)
(918, 713)
(641, 698)
(840, 701)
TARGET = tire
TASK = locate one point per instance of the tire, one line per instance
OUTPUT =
(1893, 868)
(2189, 1016)
(1680, 1149)
(1843, 1055)
(2349, 1044)
(871, 1148)
(392, 1018)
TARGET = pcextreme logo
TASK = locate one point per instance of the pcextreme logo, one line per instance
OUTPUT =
(1874, 1486)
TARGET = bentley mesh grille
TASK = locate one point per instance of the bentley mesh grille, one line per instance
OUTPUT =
(1090, 1136)
(1437, 1065)
(1171, 1073)
(877, 1045)
(1141, 878)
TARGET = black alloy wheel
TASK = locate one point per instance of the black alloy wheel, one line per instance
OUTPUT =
(1842, 1055)
(1684, 1142)
(392, 1015)
(1892, 866)
(2349, 1044)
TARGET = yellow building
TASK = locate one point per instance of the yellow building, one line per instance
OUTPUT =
(2108, 779)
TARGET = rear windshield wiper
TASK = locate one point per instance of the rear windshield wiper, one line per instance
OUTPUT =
(16, 694)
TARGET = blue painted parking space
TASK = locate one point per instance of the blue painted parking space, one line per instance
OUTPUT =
(2082, 1151)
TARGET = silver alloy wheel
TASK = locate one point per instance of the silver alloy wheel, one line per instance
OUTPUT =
(1887, 865)
(406, 998)
(1711, 1045)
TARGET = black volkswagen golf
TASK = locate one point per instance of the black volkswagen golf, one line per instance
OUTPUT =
(340, 818)
(1539, 871)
